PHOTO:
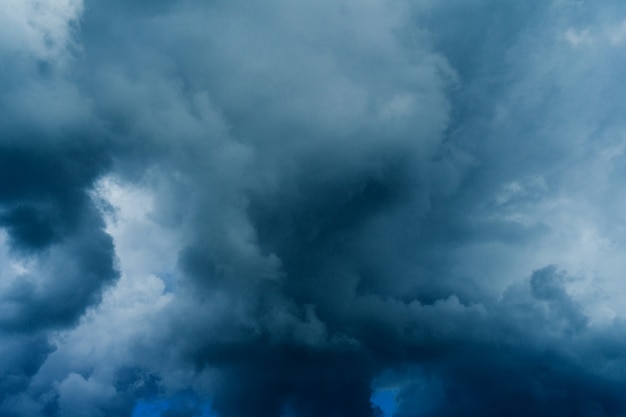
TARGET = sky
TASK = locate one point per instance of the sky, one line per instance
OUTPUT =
(286, 208)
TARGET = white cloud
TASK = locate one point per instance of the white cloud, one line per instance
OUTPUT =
(578, 37)
(42, 28)
(617, 33)
(104, 339)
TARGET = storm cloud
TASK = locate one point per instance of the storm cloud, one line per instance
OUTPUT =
(286, 208)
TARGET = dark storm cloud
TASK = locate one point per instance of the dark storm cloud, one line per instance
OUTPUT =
(51, 220)
(377, 265)
(523, 365)
(59, 259)
(358, 193)
(22, 357)
(44, 190)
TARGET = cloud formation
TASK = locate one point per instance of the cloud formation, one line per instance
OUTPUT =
(281, 208)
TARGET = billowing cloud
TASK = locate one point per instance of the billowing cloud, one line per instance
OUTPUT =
(283, 208)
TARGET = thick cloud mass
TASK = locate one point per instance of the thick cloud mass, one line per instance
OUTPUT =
(280, 208)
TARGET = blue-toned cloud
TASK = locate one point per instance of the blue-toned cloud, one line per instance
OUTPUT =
(282, 208)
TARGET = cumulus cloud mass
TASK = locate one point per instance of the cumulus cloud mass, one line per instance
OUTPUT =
(338, 208)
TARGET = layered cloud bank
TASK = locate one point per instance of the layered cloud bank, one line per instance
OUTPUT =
(283, 208)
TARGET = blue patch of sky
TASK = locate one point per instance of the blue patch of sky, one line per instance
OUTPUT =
(385, 399)
(157, 407)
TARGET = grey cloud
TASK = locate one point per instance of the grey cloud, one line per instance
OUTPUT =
(356, 189)
(50, 155)
(22, 357)
(49, 217)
